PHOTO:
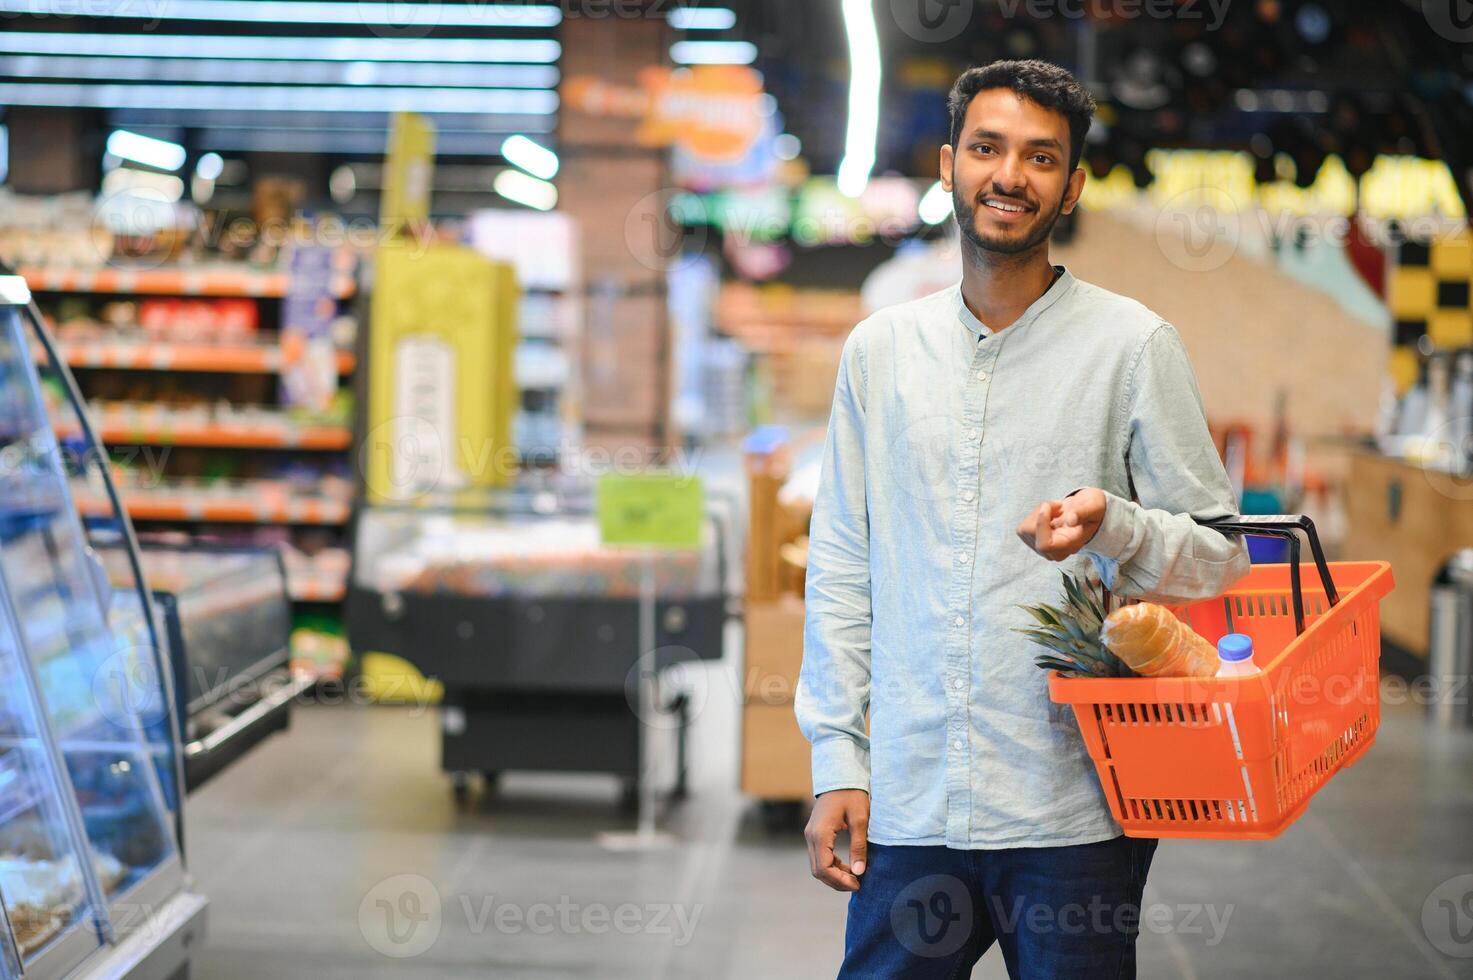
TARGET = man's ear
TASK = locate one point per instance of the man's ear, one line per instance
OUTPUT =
(948, 160)
(1075, 188)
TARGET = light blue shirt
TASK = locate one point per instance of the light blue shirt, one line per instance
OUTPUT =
(943, 436)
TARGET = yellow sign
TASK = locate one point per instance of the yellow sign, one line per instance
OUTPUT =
(651, 510)
(409, 170)
(441, 388)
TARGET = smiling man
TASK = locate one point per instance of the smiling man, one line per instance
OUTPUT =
(978, 436)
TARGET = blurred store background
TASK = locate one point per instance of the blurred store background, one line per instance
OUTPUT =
(387, 319)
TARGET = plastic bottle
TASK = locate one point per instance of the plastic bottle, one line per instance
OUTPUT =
(1236, 653)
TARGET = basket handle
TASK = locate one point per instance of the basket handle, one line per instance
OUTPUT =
(1284, 526)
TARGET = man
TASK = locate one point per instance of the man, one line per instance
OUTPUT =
(961, 423)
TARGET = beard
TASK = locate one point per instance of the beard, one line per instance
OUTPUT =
(966, 219)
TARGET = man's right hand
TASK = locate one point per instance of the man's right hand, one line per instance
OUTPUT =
(836, 810)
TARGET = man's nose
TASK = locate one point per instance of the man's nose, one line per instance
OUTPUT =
(1008, 177)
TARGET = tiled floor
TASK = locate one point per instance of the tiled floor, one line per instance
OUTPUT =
(340, 839)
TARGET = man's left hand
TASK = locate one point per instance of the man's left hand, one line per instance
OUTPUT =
(1057, 529)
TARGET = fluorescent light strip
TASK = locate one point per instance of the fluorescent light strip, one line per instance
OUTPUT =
(702, 19)
(146, 150)
(475, 50)
(364, 12)
(152, 121)
(281, 98)
(864, 97)
(517, 186)
(354, 143)
(437, 75)
(713, 52)
(936, 205)
(532, 157)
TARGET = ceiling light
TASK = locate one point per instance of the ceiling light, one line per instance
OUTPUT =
(145, 150)
(145, 45)
(517, 186)
(864, 97)
(702, 19)
(366, 12)
(713, 52)
(936, 205)
(281, 98)
(532, 157)
(262, 71)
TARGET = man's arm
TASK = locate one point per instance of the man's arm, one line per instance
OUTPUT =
(833, 686)
(1154, 549)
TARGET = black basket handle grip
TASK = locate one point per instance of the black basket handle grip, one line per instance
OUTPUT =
(1284, 526)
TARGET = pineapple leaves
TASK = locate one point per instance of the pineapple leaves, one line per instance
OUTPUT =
(1071, 634)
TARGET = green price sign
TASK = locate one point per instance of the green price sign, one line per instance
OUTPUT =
(651, 510)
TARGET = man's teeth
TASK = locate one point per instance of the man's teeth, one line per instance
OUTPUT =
(1004, 207)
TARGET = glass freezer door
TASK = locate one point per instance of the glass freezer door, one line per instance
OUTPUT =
(56, 600)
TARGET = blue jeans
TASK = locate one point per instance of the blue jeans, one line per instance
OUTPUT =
(1057, 912)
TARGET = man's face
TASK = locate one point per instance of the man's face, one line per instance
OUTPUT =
(1009, 173)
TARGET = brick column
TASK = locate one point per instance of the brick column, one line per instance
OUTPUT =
(613, 188)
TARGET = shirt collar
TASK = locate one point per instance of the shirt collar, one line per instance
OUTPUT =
(1050, 296)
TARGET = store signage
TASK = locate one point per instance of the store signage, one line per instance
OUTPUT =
(442, 333)
(409, 170)
(309, 371)
(1396, 187)
(715, 113)
(651, 510)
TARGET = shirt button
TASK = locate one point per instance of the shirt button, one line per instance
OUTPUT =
(958, 621)
(967, 495)
(963, 558)
(981, 375)
(956, 744)
(957, 683)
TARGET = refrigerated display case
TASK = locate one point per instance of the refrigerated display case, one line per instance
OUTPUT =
(511, 601)
(227, 618)
(91, 868)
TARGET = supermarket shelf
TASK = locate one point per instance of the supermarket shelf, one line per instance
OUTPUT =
(229, 359)
(318, 589)
(169, 282)
(224, 436)
(223, 509)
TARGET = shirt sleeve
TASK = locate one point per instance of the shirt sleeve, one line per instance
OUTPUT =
(1152, 547)
(834, 684)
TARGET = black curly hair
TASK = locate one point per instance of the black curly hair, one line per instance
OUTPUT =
(1037, 81)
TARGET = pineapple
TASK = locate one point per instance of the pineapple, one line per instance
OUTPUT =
(1073, 634)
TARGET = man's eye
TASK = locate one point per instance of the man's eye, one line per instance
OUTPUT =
(982, 148)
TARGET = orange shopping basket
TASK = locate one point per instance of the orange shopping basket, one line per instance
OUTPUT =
(1239, 757)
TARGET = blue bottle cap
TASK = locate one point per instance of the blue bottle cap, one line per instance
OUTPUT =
(1235, 647)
